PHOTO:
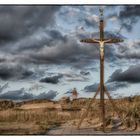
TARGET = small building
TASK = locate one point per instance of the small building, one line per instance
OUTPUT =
(74, 94)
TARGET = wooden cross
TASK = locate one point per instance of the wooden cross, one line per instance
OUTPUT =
(101, 88)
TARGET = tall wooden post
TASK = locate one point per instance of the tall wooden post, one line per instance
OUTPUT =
(101, 41)
(102, 105)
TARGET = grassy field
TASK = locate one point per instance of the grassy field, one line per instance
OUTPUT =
(38, 116)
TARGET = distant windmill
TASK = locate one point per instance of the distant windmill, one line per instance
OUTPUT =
(101, 88)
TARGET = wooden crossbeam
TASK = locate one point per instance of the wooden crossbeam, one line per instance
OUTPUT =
(91, 40)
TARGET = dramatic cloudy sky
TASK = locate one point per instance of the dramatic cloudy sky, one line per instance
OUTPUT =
(41, 56)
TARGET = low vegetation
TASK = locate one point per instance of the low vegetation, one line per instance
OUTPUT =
(24, 118)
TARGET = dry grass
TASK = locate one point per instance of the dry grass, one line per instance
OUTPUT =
(40, 119)
(37, 118)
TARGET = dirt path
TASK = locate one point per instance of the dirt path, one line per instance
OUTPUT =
(68, 129)
(86, 131)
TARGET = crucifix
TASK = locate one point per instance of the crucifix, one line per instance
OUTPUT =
(101, 88)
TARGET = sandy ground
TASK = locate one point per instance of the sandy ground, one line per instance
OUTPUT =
(69, 128)
(40, 105)
(91, 128)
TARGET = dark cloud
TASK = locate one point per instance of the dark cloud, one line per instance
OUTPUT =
(19, 21)
(66, 49)
(130, 75)
(13, 71)
(129, 54)
(129, 50)
(56, 35)
(21, 94)
(116, 85)
(50, 95)
(129, 15)
(91, 88)
(52, 79)
(35, 42)
(16, 95)
(130, 11)
(69, 77)
(85, 72)
(50, 46)
(65, 52)
(110, 86)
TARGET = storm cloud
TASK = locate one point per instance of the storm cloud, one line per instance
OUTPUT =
(85, 72)
(131, 75)
(13, 71)
(41, 45)
(21, 94)
(67, 50)
(49, 95)
(20, 21)
(129, 50)
(129, 15)
(52, 79)
(55, 78)
(16, 95)
(110, 86)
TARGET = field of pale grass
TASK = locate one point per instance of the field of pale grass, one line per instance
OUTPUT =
(27, 119)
